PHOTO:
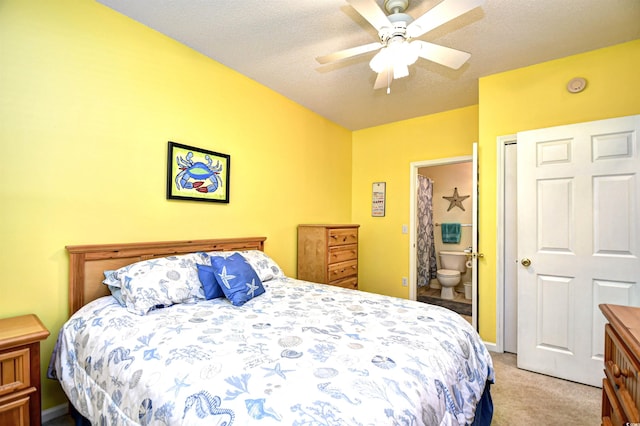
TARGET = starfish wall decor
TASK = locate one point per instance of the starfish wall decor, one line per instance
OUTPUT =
(456, 200)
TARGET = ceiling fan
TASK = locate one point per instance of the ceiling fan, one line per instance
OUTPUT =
(397, 32)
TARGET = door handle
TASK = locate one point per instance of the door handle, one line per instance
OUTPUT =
(525, 262)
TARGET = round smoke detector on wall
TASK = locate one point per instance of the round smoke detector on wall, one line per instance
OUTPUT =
(576, 85)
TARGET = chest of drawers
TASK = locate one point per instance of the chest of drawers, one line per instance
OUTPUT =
(20, 370)
(621, 385)
(328, 254)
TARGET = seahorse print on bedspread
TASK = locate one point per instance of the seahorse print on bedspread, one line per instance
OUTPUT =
(206, 405)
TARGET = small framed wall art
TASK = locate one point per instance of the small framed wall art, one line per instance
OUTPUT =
(378, 199)
(197, 174)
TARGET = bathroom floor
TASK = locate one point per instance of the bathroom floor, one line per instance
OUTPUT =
(458, 298)
(435, 292)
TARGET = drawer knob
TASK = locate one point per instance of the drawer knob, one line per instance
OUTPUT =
(617, 372)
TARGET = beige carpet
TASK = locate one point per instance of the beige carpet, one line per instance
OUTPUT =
(524, 398)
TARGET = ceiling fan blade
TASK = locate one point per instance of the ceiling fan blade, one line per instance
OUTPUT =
(446, 56)
(440, 14)
(370, 10)
(384, 79)
(348, 53)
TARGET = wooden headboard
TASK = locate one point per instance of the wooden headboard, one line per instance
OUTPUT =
(87, 263)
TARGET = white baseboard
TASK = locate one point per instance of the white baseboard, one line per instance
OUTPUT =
(55, 412)
(491, 347)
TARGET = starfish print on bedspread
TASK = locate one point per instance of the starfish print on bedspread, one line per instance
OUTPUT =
(276, 370)
(179, 384)
(152, 263)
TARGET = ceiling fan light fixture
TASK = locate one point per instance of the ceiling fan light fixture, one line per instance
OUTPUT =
(402, 52)
(400, 71)
(380, 61)
(397, 55)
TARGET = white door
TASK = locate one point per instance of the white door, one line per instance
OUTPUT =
(578, 242)
(510, 239)
(474, 236)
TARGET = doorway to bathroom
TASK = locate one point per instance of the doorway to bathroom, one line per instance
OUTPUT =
(450, 204)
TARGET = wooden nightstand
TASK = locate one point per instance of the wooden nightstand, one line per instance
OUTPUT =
(20, 370)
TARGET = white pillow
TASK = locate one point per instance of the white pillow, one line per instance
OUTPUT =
(156, 283)
(266, 268)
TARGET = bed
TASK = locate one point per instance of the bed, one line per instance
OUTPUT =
(285, 352)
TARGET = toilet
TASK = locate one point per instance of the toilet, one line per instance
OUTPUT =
(452, 265)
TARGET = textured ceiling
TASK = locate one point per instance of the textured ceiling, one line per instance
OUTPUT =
(275, 42)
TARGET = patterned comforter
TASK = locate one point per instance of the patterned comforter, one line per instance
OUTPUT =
(300, 354)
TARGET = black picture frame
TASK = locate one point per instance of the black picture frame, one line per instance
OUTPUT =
(197, 174)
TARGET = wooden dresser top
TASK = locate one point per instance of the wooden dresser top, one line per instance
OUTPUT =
(626, 321)
(328, 225)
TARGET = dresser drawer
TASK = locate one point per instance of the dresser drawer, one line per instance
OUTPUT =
(14, 409)
(622, 372)
(350, 282)
(342, 253)
(341, 236)
(342, 270)
(611, 410)
(14, 370)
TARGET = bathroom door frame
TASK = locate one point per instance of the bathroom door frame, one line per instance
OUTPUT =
(413, 206)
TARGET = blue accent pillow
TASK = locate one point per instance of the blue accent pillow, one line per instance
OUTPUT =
(207, 276)
(237, 279)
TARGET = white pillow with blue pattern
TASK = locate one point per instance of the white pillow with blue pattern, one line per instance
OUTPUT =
(266, 268)
(157, 283)
(111, 280)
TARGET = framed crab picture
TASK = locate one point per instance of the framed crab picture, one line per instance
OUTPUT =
(197, 174)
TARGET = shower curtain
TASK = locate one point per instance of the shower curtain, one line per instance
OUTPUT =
(426, 249)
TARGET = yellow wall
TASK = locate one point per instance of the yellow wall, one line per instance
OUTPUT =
(384, 154)
(536, 97)
(89, 100)
(523, 99)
